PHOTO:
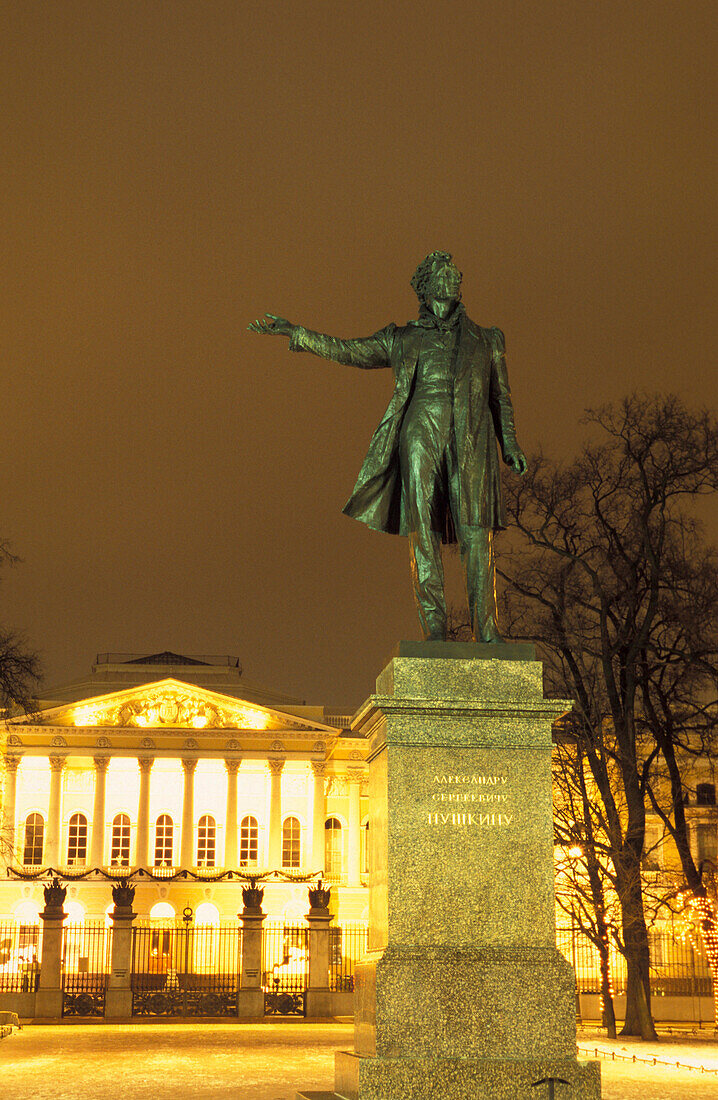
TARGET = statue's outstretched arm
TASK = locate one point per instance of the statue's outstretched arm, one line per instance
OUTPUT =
(368, 352)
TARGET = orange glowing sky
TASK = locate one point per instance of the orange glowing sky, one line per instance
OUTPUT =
(172, 170)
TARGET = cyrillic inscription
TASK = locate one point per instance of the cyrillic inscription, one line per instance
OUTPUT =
(444, 790)
(482, 820)
(473, 780)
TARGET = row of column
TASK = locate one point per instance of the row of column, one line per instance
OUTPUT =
(315, 860)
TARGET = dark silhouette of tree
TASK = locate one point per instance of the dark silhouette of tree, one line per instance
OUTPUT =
(19, 664)
(19, 676)
(603, 564)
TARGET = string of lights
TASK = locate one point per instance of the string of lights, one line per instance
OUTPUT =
(699, 912)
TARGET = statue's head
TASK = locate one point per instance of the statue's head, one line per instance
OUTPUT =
(437, 277)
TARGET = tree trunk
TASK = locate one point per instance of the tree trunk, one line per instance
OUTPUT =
(608, 1015)
(638, 989)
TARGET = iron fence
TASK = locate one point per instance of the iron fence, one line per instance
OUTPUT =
(19, 957)
(347, 944)
(676, 968)
(184, 969)
(86, 958)
(285, 968)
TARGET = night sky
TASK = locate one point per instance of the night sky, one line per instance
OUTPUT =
(172, 170)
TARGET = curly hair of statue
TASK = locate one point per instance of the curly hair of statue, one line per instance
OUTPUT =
(421, 276)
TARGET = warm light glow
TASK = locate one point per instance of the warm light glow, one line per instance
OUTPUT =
(162, 911)
(207, 913)
(27, 912)
(167, 705)
(698, 911)
(575, 852)
(85, 716)
(75, 912)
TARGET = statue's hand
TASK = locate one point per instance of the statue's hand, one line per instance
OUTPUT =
(517, 461)
(271, 325)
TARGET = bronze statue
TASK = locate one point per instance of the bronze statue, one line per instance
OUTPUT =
(432, 469)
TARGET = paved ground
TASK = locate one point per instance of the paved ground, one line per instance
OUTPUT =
(268, 1062)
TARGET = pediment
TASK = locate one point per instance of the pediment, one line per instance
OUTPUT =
(171, 704)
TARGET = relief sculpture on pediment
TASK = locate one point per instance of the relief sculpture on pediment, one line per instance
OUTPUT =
(170, 707)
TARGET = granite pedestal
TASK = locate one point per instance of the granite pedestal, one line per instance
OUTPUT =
(462, 995)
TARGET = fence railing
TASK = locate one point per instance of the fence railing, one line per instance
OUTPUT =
(285, 957)
(347, 944)
(676, 968)
(180, 970)
(86, 961)
(19, 957)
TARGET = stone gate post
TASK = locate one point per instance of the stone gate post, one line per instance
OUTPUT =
(250, 996)
(319, 917)
(118, 996)
(48, 1002)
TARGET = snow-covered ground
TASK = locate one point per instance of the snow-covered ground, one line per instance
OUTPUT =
(624, 1079)
(271, 1061)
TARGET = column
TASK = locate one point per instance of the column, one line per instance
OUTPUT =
(11, 765)
(230, 817)
(142, 848)
(54, 819)
(316, 863)
(354, 862)
(97, 853)
(187, 853)
(274, 861)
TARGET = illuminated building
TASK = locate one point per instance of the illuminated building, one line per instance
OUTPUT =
(175, 765)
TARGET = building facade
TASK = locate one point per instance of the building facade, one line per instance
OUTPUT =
(176, 771)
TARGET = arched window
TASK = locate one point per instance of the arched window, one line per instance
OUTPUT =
(77, 841)
(333, 846)
(248, 841)
(365, 848)
(705, 794)
(291, 833)
(164, 830)
(206, 841)
(120, 851)
(34, 840)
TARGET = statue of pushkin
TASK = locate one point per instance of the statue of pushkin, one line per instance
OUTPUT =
(432, 470)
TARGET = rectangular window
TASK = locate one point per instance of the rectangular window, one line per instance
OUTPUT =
(34, 836)
(291, 843)
(706, 843)
(163, 842)
(120, 851)
(248, 841)
(206, 842)
(77, 840)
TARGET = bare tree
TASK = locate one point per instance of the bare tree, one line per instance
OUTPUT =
(19, 677)
(19, 663)
(597, 544)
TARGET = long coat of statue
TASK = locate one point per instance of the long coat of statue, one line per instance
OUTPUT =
(483, 416)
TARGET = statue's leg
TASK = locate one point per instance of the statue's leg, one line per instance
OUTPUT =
(422, 447)
(477, 555)
(427, 578)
